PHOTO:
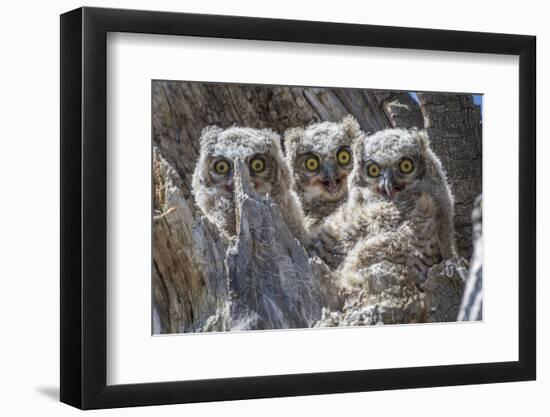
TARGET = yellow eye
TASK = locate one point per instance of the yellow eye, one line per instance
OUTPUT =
(222, 166)
(343, 156)
(406, 166)
(312, 163)
(257, 164)
(373, 170)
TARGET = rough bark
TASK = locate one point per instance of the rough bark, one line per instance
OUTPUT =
(188, 272)
(454, 124)
(402, 297)
(263, 280)
(444, 288)
(400, 109)
(182, 109)
(273, 282)
(472, 303)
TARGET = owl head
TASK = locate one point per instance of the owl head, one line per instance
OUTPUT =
(259, 149)
(320, 156)
(394, 165)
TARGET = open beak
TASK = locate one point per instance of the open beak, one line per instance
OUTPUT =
(331, 187)
(329, 180)
(387, 184)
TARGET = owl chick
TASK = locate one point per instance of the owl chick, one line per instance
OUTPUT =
(212, 184)
(320, 157)
(399, 210)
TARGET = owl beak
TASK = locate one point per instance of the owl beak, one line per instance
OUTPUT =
(387, 185)
(329, 180)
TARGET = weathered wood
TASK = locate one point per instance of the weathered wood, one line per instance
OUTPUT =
(472, 303)
(454, 124)
(264, 279)
(400, 297)
(443, 290)
(400, 109)
(182, 109)
(189, 284)
(272, 281)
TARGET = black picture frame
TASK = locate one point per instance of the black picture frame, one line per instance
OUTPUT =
(84, 207)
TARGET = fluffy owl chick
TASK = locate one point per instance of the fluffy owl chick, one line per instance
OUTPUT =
(212, 185)
(320, 157)
(399, 209)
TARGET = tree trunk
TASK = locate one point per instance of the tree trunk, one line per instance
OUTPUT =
(472, 303)
(182, 109)
(189, 283)
(400, 109)
(454, 124)
(264, 279)
(273, 282)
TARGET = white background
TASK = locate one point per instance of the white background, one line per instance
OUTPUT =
(29, 216)
(133, 60)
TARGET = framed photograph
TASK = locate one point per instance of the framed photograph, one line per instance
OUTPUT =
(257, 208)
